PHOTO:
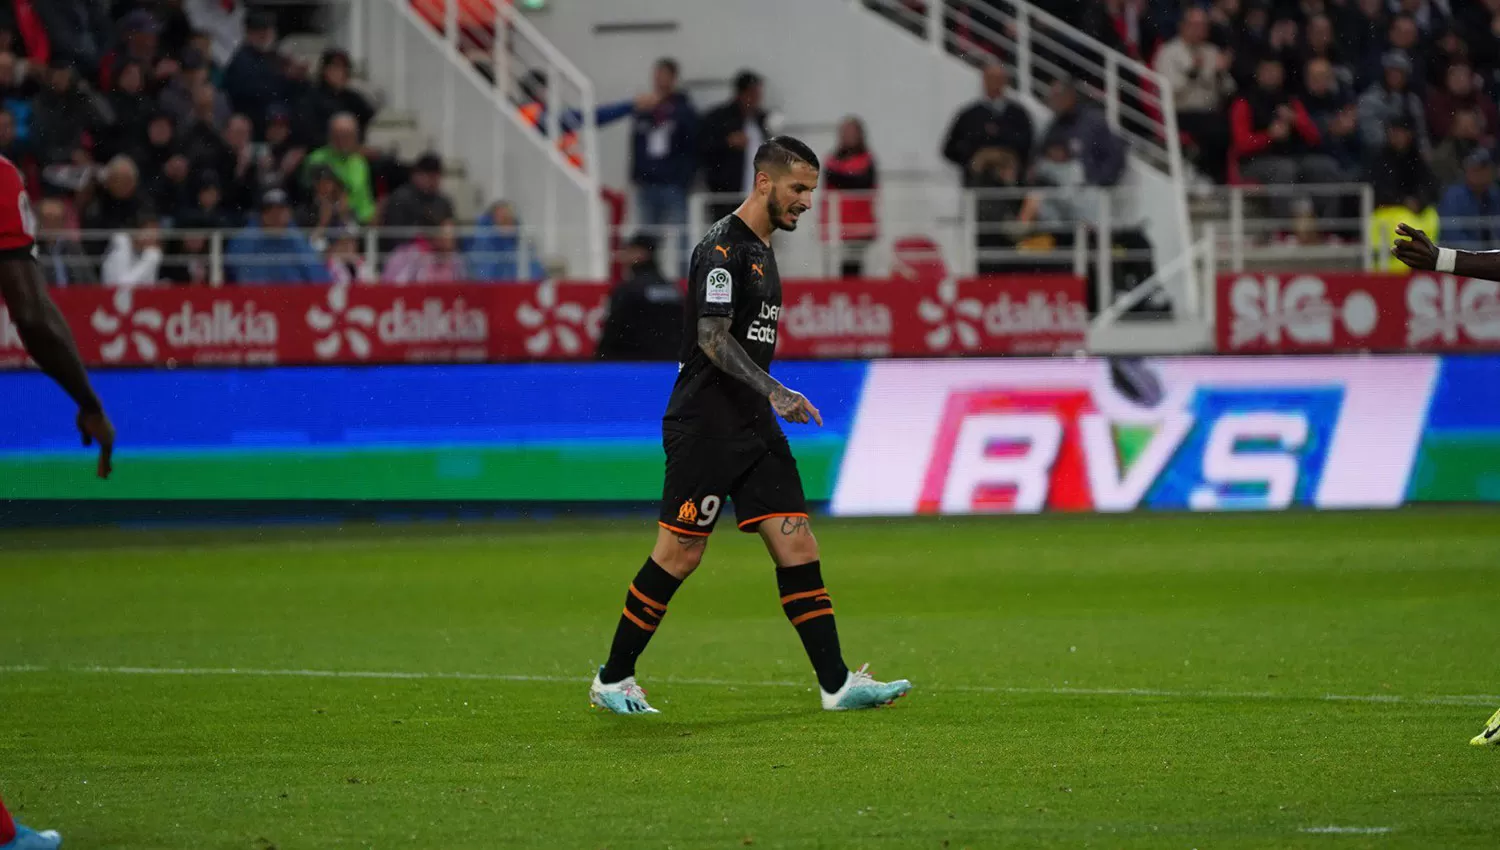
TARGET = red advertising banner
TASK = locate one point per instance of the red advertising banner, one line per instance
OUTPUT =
(183, 326)
(1311, 312)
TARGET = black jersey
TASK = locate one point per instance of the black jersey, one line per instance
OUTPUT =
(733, 274)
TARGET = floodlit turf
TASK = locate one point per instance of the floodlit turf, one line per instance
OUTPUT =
(1024, 637)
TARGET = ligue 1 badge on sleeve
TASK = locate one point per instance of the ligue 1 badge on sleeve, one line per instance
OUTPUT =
(719, 287)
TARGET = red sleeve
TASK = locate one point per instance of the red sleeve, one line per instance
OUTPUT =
(17, 225)
(1246, 140)
(1306, 127)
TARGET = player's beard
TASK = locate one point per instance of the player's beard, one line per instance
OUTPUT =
(778, 214)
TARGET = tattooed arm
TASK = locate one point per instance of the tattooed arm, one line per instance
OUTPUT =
(726, 353)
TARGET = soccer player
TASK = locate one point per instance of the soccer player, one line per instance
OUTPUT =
(46, 338)
(722, 442)
(1418, 251)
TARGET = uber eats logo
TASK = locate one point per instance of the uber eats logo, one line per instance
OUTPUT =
(763, 329)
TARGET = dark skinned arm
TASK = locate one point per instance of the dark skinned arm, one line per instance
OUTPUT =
(47, 339)
(1418, 251)
(725, 352)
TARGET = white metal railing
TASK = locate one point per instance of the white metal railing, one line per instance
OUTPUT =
(474, 100)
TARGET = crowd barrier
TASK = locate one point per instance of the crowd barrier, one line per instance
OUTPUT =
(901, 437)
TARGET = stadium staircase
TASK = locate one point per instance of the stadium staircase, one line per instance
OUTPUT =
(1136, 101)
(446, 83)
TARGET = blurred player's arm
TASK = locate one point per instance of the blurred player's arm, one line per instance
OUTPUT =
(47, 339)
(726, 353)
(1418, 251)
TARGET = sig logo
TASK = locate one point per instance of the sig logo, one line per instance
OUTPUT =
(1299, 311)
(1452, 311)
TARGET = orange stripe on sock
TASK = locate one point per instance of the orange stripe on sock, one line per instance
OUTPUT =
(793, 597)
(797, 621)
(677, 530)
(649, 602)
(637, 620)
(768, 516)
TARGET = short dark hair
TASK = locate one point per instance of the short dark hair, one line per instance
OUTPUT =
(668, 63)
(783, 152)
(745, 81)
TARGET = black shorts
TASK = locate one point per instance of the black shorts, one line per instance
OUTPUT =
(760, 475)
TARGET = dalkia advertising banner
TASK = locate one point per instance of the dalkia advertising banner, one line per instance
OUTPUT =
(946, 437)
(555, 320)
(1266, 314)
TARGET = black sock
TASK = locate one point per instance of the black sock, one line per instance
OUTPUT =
(806, 603)
(645, 605)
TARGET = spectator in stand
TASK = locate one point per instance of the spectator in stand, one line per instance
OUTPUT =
(179, 95)
(119, 206)
(18, 86)
(421, 201)
(1085, 132)
(134, 256)
(139, 31)
(11, 146)
(176, 29)
(533, 110)
(343, 155)
(1001, 211)
(132, 108)
(78, 30)
(1466, 136)
(1248, 40)
(59, 253)
(729, 138)
(223, 21)
(1462, 93)
(242, 171)
(644, 319)
(346, 262)
(1425, 14)
(1398, 174)
(256, 78)
(1471, 209)
(64, 117)
(1380, 104)
(849, 186)
(1363, 35)
(664, 156)
(327, 210)
(1450, 49)
(1332, 109)
(495, 250)
(171, 192)
(188, 250)
(1124, 26)
(1276, 141)
(286, 151)
(159, 145)
(1403, 37)
(994, 121)
(1199, 75)
(1321, 44)
(1480, 25)
(271, 250)
(332, 96)
(433, 257)
(1225, 20)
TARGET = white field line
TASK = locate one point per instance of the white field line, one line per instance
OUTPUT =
(1346, 830)
(1457, 700)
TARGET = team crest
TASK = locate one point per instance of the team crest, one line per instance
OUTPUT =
(688, 512)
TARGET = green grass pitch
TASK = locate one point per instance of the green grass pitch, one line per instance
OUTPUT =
(1157, 682)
